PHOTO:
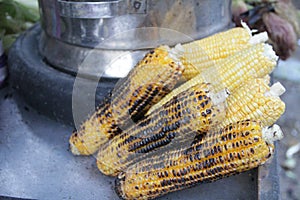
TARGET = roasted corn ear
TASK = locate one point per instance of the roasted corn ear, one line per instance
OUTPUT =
(172, 125)
(152, 78)
(257, 61)
(234, 149)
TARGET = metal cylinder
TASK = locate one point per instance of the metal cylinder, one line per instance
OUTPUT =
(112, 27)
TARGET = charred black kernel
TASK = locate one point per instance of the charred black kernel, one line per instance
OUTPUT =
(230, 155)
(225, 146)
(208, 111)
(211, 171)
(230, 136)
(177, 124)
(136, 187)
(203, 114)
(213, 151)
(159, 175)
(221, 159)
(165, 129)
(171, 135)
(197, 156)
(219, 149)
(169, 182)
(239, 156)
(234, 134)
(183, 172)
(163, 183)
(174, 172)
(252, 150)
(208, 164)
(202, 174)
(247, 133)
(161, 134)
(191, 158)
(166, 174)
(179, 180)
(256, 139)
(223, 138)
(200, 97)
(202, 104)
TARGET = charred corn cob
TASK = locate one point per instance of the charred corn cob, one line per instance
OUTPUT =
(234, 149)
(255, 100)
(202, 54)
(150, 80)
(254, 62)
(174, 124)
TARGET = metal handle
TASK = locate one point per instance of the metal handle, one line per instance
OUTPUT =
(101, 9)
(91, 10)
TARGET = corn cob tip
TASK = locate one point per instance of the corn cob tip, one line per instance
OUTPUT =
(245, 26)
(177, 52)
(74, 150)
(272, 134)
(220, 97)
(270, 53)
(73, 147)
(255, 39)
(259, 38)
(276, 90)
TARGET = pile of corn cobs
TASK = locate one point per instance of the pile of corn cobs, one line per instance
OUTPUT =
(220, 121)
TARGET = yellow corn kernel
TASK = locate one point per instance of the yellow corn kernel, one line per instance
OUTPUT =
(202, 54)
(234, 149)
(174, 124)
(151, 79)
(255, 100)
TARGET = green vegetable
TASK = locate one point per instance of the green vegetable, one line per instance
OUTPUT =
(16, 17)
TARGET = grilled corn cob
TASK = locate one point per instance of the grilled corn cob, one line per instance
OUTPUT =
(254, 62)
(150, 80)
(202, 54)
(234, 149)
(174, 124)
(255, 100)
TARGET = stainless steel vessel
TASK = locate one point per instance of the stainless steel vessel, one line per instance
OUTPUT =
(114, 27)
